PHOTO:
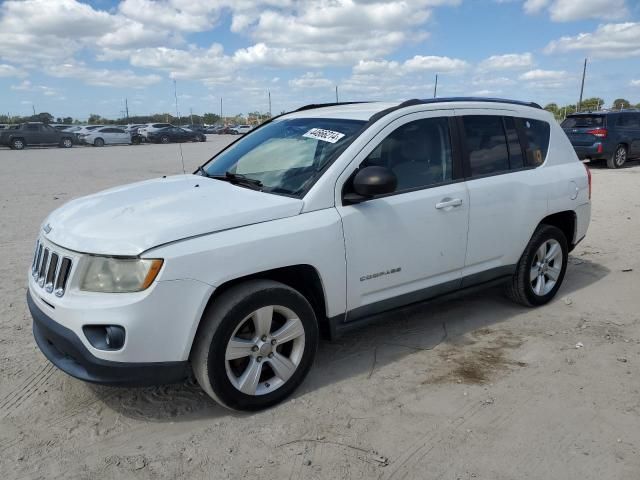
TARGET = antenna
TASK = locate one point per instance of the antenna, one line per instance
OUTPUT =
(175, 95)
(584, 72)
(337, 101)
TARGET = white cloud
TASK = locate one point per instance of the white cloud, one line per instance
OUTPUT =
(417, 64)
(545, 78)
(311, 80)
(102, 77)
(509, 61)
(609, 40)
(573, 10)
(7, 70)
(27, 86)
(635, 83)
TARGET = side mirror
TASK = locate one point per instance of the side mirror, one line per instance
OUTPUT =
(369, 182)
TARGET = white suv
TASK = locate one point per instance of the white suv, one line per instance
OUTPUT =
(241, 129)
(316, 221)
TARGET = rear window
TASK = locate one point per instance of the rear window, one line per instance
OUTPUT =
(579, 121)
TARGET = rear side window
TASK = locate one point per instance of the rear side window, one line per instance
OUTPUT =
(33, 127)
(486, 145)
(628, 120)
(516, 158)
(537, 135)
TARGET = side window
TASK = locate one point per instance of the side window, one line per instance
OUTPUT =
(419, 153)
(516, 158)
(117, 130)
(33, 128)
(537, 135)
(486, 144)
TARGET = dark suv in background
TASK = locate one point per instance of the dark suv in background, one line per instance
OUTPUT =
(34, 133)
(610, 136)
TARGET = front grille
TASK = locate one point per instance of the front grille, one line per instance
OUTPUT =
(50, 269)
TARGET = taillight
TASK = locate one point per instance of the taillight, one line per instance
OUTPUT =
(598, 132)
(589, 179)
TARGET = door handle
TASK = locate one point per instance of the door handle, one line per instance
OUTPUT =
(448, 202)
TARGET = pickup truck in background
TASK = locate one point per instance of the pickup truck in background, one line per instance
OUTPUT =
(34, 133)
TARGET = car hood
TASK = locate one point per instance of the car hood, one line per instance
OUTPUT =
(133, 218)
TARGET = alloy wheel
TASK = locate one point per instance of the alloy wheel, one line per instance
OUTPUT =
(265, 350)
(621, 156)
(546, 267)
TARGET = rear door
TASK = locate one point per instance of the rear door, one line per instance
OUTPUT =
(503, 195)
(628, 126)
(120, 136)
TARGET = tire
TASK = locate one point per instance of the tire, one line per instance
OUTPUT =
(203, 138)
(98, 142)
(18, 143)
(618, 158)
(135, 141)
(164, 139)
(66, 142)
(536, 283)
(234, 314)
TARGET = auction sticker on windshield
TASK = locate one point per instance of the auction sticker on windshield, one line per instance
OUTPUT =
(324, 135)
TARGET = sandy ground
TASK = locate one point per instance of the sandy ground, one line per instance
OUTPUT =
(474, 388)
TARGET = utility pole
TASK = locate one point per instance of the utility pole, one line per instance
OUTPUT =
(435, 87)
(191, 114)
(269, 103)
(221, 111)
(175, 95)
(584, 73)
(34, 109)
(126, 108)
(337, 101)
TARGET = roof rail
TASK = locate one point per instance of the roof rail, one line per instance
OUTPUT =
(417, 101)
(320, 105)
(482, 99)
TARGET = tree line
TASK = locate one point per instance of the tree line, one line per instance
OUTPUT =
(590, 104)
(252, 118)
(255, 118)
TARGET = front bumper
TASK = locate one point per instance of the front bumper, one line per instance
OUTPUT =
(65, 350)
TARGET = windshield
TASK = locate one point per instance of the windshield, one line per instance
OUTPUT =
(579, 121)
(287, 155)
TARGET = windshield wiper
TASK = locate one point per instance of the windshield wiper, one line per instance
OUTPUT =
(238, 179)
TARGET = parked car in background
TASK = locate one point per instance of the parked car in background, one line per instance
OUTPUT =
(195, 128)
(175, 134)
(610, 136)
(152, 127)
(320, 220)
(100, 137)
(35, 133)
(61, 126)
(240, 129)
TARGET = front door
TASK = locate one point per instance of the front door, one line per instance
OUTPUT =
(409, 245)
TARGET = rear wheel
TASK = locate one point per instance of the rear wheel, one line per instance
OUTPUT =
(98, 142)
(618, 158)
(164, 139)
(255, 345)
(135, 140)
(541, 268)
(203, 138)
(66, 142)
(18, 144)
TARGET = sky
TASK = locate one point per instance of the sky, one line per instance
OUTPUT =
(74, 58)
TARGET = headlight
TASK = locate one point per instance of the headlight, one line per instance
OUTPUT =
(119, 275)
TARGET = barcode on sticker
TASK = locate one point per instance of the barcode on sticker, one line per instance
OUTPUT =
(324, 135)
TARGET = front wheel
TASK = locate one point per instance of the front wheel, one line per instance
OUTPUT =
(255, 345)
(17, 144)
(98, 142)
(66, 143)
(164, 139)
(541, 268)
(618, 158)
